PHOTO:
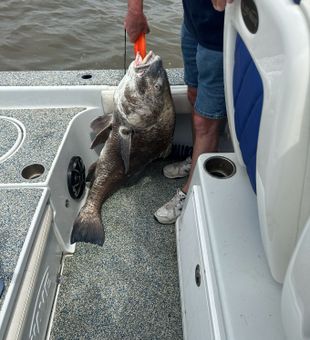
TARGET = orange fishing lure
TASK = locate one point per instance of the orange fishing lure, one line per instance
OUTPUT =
(140, 45)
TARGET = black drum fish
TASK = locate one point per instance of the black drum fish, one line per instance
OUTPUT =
(139, 130)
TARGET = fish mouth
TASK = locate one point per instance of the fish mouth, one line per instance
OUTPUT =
(143, 63)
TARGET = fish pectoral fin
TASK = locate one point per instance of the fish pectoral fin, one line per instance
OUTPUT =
(101, 137)
(101, 123)
(102, 126)
(125, 140)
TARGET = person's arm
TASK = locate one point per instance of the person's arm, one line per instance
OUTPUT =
(135, 20)
(220, 5)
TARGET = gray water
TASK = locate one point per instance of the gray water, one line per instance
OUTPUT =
(81, 34)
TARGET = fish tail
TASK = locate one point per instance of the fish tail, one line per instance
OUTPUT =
(88, 228)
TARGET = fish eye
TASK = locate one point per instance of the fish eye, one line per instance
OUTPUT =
(157, 86)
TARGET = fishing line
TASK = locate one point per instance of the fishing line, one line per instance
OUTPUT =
(125, 51)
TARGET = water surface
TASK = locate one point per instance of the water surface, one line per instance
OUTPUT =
(81, 34)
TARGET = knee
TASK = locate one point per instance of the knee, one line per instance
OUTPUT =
(191, 94)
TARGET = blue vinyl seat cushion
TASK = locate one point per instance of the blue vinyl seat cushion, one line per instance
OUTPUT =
(248, 102)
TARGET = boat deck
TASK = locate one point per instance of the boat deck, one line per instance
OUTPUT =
(127, 289)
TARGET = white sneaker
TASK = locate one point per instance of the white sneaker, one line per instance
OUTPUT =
(168, 213)
(178, 169)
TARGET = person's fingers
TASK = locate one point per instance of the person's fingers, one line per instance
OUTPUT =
(147, 29)
(135, 25)
(220, 5)
(132, 30)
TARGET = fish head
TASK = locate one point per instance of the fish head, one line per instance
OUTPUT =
(144, 91)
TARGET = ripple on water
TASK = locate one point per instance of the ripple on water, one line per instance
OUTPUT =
(81, 34)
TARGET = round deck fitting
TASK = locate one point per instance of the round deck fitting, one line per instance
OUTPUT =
(33, 171)
(220, 167)
(76, 177)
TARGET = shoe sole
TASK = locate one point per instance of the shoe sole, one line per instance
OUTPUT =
(173, 177)
(165, 223)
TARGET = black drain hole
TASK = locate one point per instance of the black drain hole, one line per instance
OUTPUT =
(87, 76)
(33, 171)
(197, 276)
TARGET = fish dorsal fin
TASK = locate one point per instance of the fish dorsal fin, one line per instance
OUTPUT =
(125, 140)
(102, 127)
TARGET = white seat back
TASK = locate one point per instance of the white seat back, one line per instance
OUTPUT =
(267, 68)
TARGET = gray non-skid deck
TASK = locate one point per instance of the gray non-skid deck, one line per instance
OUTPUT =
(127, 289)
(45, 129)
(68, 78)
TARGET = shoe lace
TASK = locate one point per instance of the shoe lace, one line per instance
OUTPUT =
(187, 163)
(177, 200)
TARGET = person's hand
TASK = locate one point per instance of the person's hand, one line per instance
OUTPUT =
(220, 5)
(135, 24)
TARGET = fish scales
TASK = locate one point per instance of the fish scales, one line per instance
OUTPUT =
(139, 131)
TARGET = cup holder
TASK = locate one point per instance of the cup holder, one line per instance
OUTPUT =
(33, 171)
(220, 167)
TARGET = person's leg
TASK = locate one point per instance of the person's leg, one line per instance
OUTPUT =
(206, 133)
(191, 96)
(209, 108)
(189, 50)
(208, 115)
